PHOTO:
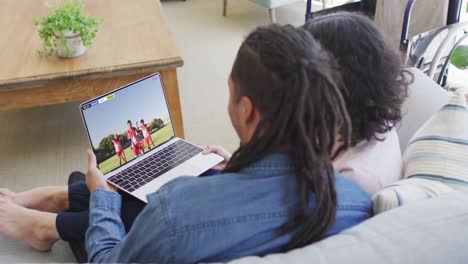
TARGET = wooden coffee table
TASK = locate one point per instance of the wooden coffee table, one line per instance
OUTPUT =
(135, 41)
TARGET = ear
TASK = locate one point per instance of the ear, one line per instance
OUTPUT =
(247, 110)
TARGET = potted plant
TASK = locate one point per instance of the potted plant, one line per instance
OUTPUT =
(67, 29)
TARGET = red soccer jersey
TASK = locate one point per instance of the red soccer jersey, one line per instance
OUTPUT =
(117, 145)
(131, 134)
(145, 130)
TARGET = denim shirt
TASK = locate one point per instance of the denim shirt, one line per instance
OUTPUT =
(213, 219)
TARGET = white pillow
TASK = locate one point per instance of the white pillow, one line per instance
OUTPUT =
(407, 191)
(439, 149)
(436, 159)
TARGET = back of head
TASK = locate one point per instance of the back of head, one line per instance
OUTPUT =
(375, 85)
(294, 85)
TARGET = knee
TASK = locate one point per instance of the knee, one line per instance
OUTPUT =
(76, 176)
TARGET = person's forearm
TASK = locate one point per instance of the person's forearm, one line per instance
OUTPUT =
(106, 229)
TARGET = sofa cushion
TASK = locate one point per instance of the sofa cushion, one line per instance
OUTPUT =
(407, 191)
(425, 97)
(432, 231)
(439, 149)
(435, 161)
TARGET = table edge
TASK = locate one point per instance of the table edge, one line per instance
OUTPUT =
(104, 72)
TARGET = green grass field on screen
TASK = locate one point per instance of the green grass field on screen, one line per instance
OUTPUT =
(159, 137)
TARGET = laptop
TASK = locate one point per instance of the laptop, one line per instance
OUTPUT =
(131, 133)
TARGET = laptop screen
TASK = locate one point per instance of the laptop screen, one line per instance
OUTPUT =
(128, 122)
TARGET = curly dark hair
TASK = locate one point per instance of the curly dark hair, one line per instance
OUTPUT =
(375, 84)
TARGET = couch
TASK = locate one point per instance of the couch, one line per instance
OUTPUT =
(431, 231)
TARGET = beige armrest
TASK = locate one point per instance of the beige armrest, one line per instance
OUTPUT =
(425, 98)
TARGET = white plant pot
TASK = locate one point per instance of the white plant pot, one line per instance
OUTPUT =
(74, 44)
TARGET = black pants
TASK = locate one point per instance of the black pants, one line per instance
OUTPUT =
(72, 225)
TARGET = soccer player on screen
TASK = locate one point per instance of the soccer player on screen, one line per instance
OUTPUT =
(140, 145)
(132, 136)
(119, 149)
(146, 134)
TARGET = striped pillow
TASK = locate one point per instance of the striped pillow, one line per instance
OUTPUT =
(436, 159)
(407, 191)
(439, 149)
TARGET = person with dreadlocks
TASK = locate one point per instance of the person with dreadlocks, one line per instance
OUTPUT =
(276, 193)
(375, 86)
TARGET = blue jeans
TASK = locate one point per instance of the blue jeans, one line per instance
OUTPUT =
(215, 219)
(72, 224)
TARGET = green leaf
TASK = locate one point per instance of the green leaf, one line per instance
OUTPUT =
(68, 16)
(460, 57)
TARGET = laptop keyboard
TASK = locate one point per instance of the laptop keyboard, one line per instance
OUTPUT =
(155, 165)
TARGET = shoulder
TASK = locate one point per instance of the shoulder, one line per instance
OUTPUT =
(351, 195)
(354, 205)
(373, 164)
(367, 149)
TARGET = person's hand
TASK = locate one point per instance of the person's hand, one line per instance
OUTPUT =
(94, 177)
(219, 151)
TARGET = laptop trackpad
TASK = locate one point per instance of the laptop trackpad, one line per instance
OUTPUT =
(192, 167)
(204, 162)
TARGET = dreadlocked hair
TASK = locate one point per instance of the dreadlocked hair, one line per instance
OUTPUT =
(294, 85)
